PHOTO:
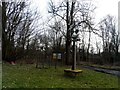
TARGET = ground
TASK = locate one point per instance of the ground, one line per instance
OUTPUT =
(0, 75)
(27, 76)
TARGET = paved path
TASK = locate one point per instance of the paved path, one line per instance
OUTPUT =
(113, 72)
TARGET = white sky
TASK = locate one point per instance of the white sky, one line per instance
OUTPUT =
(104, 7)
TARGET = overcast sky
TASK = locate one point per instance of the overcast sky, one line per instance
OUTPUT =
(104, 7)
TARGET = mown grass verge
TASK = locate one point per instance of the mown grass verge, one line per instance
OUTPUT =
(27, 76)
(0, 75)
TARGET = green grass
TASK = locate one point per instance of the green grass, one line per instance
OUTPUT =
(0, 75)
(27, 76)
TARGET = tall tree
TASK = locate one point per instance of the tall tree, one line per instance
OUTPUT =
(71, 12)
(17, 22)
(4, 35)
(109, 37)
(56, 35)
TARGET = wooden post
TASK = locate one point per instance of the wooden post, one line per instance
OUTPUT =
(74, 56)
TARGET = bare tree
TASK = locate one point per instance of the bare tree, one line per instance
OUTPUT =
(4, 17)
(56, 35)
(18, 22)
(109, 38)
(71, 12)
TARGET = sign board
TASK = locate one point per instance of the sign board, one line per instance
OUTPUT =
(59, 56)
(54, 56)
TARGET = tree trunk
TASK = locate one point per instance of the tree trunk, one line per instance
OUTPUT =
(4, 41)
(88, 47)
(67, 39)
(74, 56)
(67, 53)
(69, 22)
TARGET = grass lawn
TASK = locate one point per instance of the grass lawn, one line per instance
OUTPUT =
(0, 75)
(27, 76)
